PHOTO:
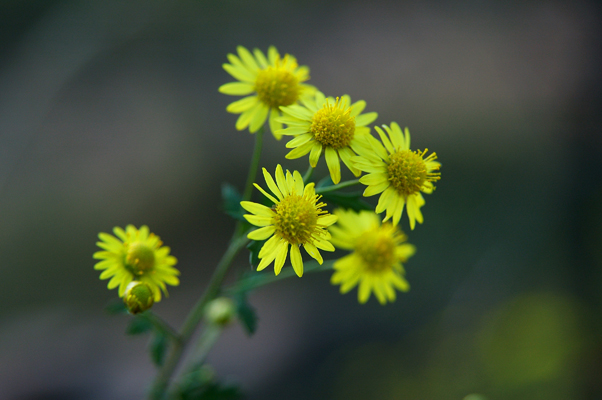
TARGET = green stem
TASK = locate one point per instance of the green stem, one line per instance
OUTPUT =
(206, 342)
(238, 241)
(161, 326)
(341, 185)
(257, 280)
(308, 174)
(254, 165)
(194, 318)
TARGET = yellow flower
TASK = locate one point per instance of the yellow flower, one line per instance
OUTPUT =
(398, 173)
(295, 219)
(334, 127)
(136, 255)
(272, 82)
(378, 251)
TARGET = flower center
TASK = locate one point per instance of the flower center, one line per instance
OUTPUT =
(139, 258)
(377, 248)
(277, 86)
(333, 125)
(407, 171)
(296, 219)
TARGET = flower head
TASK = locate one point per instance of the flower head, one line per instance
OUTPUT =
(138, 297)
(271, 82)
(332, 126)
(295, 219)
(378, 251)
(136, 255)
(398, 173)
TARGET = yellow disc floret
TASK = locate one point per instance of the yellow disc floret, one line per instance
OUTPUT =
(376, 247)
(407, 171)
(296, 218)
(277, 86)
(333, 125)
(139, 258)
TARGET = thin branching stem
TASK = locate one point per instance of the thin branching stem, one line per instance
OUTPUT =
(237, 243)
(341, 185)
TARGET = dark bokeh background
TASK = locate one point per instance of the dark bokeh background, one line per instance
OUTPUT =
(109, 115)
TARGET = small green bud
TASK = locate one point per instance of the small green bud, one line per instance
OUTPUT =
(138, 297)
(220, 311)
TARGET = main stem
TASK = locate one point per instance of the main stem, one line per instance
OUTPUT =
(237, 242)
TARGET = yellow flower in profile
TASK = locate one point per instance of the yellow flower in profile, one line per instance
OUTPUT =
(332, 126)
(398, 173)
(271, 82)
(375, 263)
(136, 255)
(295, 219)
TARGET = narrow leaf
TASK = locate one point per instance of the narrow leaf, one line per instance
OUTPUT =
(246, 314)
(158, 347)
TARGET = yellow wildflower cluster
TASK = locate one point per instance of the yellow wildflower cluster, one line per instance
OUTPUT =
(337, 128)
(293, 214)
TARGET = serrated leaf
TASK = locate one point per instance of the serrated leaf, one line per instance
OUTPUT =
(116, 307)
(254, 247)
(349, 200)
(139, 325)
(158, 347)
(231, 198)
(246, 314)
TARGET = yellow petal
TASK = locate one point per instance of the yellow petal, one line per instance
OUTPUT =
(332, 160)
(280, 257)
(271, 184)
(281, 180)
(259, 220)
(257, 209)
(266, 194)
(237, 88)
(296, 260)
(313, 252)
(300, 151)
(275, 125)
(239, 73)
(259, 118)
(365, 119)
(298, 183)
(262, 233)
(316, 151)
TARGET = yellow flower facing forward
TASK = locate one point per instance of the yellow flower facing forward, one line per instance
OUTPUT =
(376, 261)
(332, 126)
(136, 255)
(398, 173)
(271, 82)
(295, 219)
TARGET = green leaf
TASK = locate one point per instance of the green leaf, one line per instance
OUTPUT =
(158, 347)
(231, 202)
(254, 247)
(325, 182)
(116, 307)
(215, 391)
(246, 313)
(352, 200)
(139, 325)
(209, 391)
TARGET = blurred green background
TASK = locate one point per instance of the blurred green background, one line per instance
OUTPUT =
(109, 115)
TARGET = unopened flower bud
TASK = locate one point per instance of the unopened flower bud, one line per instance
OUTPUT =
(220, 311)
(138, 297)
